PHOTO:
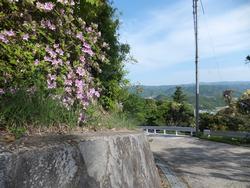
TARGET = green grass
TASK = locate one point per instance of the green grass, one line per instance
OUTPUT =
(228, 140)
(99, 118)
(22, 110)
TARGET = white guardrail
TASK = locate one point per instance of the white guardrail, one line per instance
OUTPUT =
(191, 130)
(159, 129)
(235, 134)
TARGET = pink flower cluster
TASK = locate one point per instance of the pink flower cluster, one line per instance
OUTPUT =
(80, 36)
(48, 24)
(2, 91)
(5, 35)
(11, 90)
(53, 55)
(26, 37)
(48, 6)
(87, 49)
(77, 88)
(66, 68)
(93, 93)
(51, 81)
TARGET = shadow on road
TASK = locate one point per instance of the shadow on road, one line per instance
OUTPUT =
(197, 158)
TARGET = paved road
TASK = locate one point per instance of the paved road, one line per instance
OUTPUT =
(201, 163)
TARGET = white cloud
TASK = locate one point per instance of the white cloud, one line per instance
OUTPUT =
(165, 37)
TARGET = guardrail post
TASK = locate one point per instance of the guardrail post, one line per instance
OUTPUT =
(164, 131)
(146, 131)
(191, 133)
(176, 133)
(154, 131)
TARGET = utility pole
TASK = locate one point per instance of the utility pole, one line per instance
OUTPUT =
(195, 16)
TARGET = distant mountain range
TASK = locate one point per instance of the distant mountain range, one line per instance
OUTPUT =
(210, 93)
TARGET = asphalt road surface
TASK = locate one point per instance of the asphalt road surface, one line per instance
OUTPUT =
(204, 164)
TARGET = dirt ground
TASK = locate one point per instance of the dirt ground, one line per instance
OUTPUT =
(200, 163)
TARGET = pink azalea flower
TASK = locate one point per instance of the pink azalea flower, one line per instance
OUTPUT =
(68, 89)
(3, 39)
(68, 82)
(36, 62)
(60, 61)
(59, 51)
(85, 103)
(86, 45)
(51, 52)
(48, 24)
(70, 75)
(79, 84)
(80, 71)
(48, 6)
(62, 11)
(88, 51)
(51, 85)
(9, 33)
(26, 37)
(52, 27)
(2, 91)
(79, 96)
(55, 62)
(56, 45)
(89, 29)
(92, 91)
(48, 59)
(97, 94)
(82, 58)
(79, 36)
(52, 77)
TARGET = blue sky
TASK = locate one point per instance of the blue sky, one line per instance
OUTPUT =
(161, 37)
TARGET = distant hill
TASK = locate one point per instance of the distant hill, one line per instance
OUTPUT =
(210, 93)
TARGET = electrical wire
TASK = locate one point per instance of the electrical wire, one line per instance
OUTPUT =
(212, 44)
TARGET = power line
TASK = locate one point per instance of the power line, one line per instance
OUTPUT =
(202, 7)
(212, 43)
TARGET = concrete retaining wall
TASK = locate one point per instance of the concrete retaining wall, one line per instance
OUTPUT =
(111, 160)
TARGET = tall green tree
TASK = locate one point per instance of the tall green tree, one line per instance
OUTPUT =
(111, 79)
(179, 113)
(179, 96)
(134, 107)
(151, 112)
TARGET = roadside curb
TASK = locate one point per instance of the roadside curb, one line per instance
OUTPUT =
(173, 180)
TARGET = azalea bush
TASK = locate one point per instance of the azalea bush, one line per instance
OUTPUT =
(46, 46)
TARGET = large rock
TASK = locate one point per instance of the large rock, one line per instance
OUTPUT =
(110, 160)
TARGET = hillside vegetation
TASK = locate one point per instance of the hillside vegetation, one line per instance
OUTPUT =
(210, 93)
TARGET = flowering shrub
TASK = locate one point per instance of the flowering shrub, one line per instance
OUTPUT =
(47, 45)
